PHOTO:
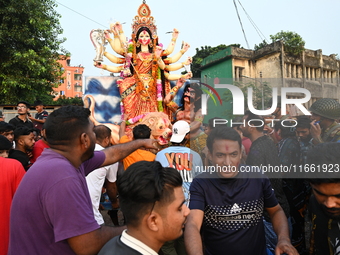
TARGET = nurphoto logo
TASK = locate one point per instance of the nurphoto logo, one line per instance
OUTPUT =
(238, 100)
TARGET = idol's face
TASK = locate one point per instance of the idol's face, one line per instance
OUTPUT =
(144, 38)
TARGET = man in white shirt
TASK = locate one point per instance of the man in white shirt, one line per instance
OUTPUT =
(108, 175)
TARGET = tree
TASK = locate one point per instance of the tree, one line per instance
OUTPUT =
(30, 48)
(203, 53)
(293, 42)
(261, 45)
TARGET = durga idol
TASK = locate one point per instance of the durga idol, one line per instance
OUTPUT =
(143, 65)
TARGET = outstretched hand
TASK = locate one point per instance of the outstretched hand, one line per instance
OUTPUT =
(175, 33)
(180, 82)
(158, 51)
(187, 75)
(107, 34)
(188, 61)
(186, 46)
(116, 28)
(98, 64)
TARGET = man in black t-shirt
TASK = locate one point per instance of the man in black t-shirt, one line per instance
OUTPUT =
(24, 142)
(227, 204)
(22, 118)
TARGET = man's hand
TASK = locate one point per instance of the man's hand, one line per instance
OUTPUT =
(315, 131)
(29, 154)
(115, 205)
(284, 246)
(151, 144)
(280, 226)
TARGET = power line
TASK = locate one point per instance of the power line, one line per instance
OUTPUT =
(81, 14)
(254, 25)
(244, 34)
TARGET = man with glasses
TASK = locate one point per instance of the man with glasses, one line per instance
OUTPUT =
(22, 119)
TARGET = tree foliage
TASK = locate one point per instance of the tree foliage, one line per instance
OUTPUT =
(261, 45)
(62, 100)
(293, 42)
(203, 53)
(30, 48)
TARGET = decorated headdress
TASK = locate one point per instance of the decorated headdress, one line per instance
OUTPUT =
(144, 19)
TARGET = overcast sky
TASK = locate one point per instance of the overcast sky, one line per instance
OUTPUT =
(201, 23)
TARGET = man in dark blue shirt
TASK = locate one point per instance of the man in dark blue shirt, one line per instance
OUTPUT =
(41, 115)
(227, 204)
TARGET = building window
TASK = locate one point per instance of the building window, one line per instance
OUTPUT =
(77, 77)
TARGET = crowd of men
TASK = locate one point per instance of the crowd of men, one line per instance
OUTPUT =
(182, 199)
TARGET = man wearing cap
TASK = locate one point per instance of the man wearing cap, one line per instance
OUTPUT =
(324, 128)
(24, 142)
(41, 115)
(187, 162)
(22, 118)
